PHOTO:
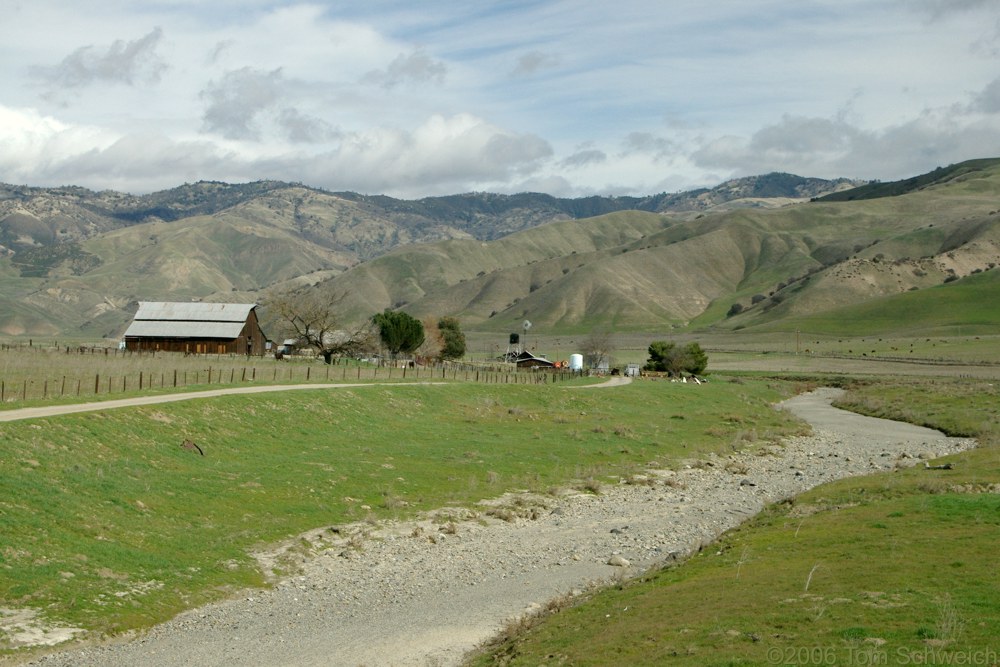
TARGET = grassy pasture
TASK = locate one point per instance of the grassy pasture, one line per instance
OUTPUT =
(109, 524)
(896, 568)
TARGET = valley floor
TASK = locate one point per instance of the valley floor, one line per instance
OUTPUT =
(427, 592)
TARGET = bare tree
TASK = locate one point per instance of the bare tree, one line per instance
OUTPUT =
(597, 347)
(431, 347)
(311, 318)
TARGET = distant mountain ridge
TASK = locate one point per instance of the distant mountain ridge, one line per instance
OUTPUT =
(75, 262)
(45, 216)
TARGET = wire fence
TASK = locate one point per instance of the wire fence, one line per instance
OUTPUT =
(29, 373)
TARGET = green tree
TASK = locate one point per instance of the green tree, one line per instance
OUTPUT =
(399, 331)
(697, 359)
(667, 357)
(452, 338)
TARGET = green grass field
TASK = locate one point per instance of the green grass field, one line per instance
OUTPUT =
(109, 524)
(897, 568)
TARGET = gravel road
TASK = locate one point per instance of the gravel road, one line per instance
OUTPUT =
(425, 592)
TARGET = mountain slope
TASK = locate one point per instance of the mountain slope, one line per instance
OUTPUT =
(656, 272)
(877, 189)
(75, 262)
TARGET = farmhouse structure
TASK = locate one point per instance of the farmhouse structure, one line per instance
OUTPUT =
(196, 328)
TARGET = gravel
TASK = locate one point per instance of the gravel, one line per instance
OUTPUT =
(426, 592)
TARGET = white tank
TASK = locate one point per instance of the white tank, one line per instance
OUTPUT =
(576, 362)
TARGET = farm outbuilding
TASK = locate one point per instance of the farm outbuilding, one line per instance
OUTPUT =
(196, 328)
(527, 360)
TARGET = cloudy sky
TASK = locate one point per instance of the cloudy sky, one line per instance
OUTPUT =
(570, 97)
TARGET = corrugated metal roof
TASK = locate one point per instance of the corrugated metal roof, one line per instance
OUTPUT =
(194, 311)
(157, 329)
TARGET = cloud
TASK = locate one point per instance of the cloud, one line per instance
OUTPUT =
(830, 148)
(136, 162)
(235, 101)
(417, 67)
(794, 141)
(533, 61)
(940, 8)
(301, 128)
(385, 97)
(583, 158)
(442, 155)
(647, 142)
(988, 100)
(122, 62)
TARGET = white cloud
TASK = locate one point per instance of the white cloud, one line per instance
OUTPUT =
(129, 62)
(583, 158)
(577, 97)
(417, 67)
(233, 102)
(533, 61)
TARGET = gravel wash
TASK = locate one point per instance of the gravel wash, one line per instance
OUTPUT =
(426, 592)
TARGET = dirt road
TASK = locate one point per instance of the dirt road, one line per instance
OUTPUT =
(419, 593)
(55, 410)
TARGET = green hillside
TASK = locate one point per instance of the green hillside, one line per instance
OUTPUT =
(877, 189)
(969, 306)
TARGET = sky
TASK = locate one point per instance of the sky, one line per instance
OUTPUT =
(419, 98)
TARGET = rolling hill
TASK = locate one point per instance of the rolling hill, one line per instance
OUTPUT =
(732, 270)
(74, 262)
(750, 253)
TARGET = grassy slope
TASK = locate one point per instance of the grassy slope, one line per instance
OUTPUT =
(904, 186)
(109, 524)
(967, 307)
(888, 569)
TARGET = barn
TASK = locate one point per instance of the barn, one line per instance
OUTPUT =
(196, 328)
(527, 360)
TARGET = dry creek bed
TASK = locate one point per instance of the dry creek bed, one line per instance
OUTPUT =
(426, 592)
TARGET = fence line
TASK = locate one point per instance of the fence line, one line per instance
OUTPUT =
(103, 384)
